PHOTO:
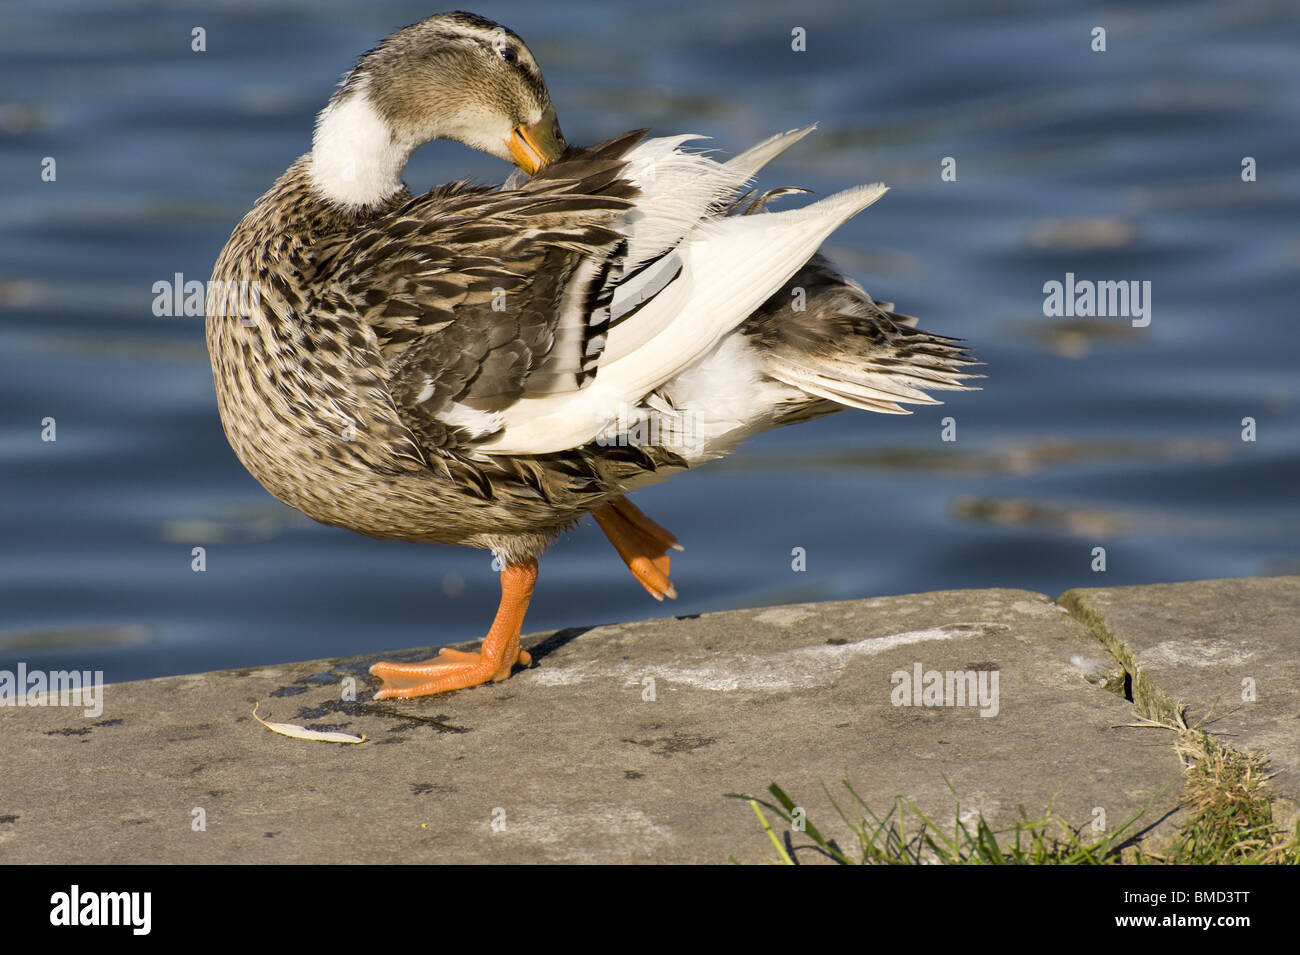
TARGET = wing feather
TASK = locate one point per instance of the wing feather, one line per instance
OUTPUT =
(469, 293)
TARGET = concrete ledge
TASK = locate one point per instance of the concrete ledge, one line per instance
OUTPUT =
(620, 744)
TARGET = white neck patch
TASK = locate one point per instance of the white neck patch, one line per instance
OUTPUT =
(355, 161)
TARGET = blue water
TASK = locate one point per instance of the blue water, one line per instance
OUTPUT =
(1120, 165)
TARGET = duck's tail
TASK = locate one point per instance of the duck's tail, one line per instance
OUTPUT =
(691, 276)
(825, 336)
(720, 319)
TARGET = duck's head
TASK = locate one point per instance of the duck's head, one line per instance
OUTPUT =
(452, 76)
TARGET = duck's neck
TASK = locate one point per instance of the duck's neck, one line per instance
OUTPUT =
(355, 161)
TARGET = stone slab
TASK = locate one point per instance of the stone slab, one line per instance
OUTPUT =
(575, 759)
(1209, 644)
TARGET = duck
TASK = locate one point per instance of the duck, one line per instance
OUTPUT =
(487, 365)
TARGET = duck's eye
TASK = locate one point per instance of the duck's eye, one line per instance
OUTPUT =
(508, 54)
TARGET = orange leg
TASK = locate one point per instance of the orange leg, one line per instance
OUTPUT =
(641, 543)
(456, 669)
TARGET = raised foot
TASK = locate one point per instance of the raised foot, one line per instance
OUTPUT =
(449, 670)
(642, 544)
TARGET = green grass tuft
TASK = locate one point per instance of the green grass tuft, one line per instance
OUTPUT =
(906, 836)
(1230, 822)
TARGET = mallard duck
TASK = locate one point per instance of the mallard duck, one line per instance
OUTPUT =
(486, 366)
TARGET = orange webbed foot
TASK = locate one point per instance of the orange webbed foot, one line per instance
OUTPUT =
(642, 544)
(459, 669)
(449, 670)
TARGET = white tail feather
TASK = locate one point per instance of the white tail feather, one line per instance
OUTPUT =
(748, 164)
